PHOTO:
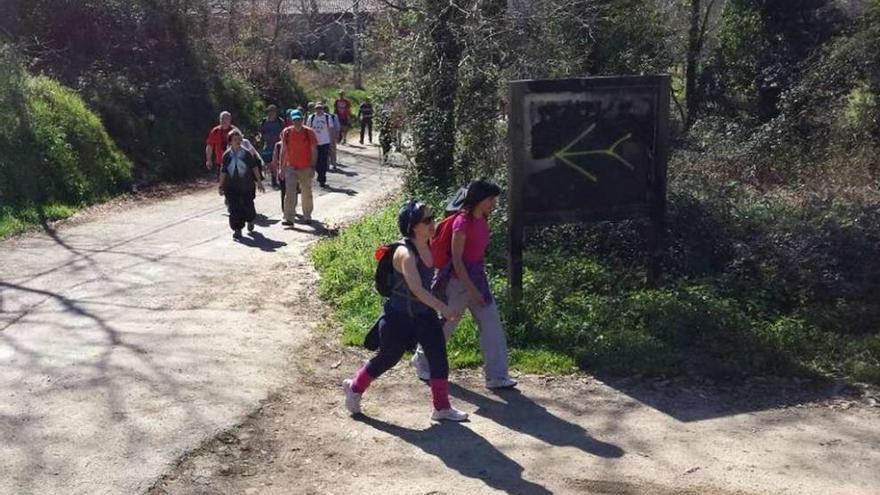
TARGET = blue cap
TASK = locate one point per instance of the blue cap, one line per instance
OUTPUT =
(296, 115)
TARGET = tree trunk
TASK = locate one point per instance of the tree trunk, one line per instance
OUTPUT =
(232, 21)
(356, 48)
(435, 123)
(272, 52)
(693, 54)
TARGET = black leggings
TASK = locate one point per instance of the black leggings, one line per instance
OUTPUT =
(241, 208)
(367, 124)
(399, 333)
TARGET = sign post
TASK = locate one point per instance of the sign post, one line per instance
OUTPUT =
(584, 150)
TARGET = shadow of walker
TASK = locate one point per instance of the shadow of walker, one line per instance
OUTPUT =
(466, 452)
(258, 240)
(521, 414)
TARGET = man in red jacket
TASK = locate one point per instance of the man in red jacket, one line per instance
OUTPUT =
(217, 142)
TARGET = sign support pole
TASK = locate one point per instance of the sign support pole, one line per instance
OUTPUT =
(516, 135)
(658, 201)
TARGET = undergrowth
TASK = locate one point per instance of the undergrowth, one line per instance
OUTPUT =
(750, 289)
(346, 266)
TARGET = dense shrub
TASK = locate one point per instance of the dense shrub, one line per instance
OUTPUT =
(54, 150)
(151, 75)
(790, 291)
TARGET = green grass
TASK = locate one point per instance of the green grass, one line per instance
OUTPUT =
(347, 266)
(324, 80)
(754, 289)
(17, 220)
(55, 153)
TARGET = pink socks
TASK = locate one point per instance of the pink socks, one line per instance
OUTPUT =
(439, 388)
(440, 393)
(361, 381)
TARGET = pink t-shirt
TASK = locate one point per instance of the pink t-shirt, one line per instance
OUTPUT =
(476, 231)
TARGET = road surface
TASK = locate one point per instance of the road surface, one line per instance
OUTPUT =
(129, 340)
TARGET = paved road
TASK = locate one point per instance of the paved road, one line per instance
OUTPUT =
(131, 339)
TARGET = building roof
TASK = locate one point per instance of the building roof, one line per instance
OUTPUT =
(331, 6)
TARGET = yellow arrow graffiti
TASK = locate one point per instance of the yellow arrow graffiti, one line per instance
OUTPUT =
(564, 154)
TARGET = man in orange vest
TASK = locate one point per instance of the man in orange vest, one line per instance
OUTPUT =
(299, 154)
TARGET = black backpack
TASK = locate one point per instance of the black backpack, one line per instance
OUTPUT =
(385, 269)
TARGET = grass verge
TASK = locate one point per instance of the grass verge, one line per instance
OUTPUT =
(346, 266)
(15, 220)
(759, 289)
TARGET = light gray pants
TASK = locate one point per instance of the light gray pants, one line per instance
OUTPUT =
(493, 341)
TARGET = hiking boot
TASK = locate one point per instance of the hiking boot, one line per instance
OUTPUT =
(500, 383)
(451, 414)
(352, 398)
(422, 372)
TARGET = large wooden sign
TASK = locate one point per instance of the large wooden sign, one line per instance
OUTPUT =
(586, 149)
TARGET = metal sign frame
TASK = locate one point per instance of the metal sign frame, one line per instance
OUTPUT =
(651, 206)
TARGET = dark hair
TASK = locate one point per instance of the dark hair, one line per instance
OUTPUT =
(479, 190)
(411, 213)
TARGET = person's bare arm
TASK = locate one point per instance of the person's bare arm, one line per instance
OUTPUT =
(208, 151)
(281, 154)
(458, 241)
(405, 263)
(258, 179)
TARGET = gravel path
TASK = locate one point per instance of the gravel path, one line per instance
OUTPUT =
(129, 339)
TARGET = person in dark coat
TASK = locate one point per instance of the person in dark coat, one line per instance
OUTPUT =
(239, 179)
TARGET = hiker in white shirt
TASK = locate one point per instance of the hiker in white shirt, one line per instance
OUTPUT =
(322, 123)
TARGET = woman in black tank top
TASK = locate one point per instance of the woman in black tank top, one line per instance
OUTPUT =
(410, 317)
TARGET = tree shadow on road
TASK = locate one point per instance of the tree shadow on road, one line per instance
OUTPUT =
(519, 413)
(461, 449)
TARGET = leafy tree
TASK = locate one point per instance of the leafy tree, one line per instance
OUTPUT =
(761, 46)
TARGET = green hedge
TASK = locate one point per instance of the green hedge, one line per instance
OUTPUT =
(53, 150)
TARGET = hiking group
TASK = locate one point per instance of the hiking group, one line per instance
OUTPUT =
(435, 269)
(293, 151)
(428, 278)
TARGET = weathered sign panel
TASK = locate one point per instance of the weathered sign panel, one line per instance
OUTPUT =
(586, 149)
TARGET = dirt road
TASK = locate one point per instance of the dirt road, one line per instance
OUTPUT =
(564, 435)
(148, 337)
(130, 339)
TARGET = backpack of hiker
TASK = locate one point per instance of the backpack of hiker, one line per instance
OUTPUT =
(384, 255)
(311, 121)
(441, 243)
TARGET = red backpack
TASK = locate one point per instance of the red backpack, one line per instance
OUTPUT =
(441, 243)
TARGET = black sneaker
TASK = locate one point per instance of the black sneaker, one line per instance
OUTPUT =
(250, 226)
(237, 234)
(287, 223)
